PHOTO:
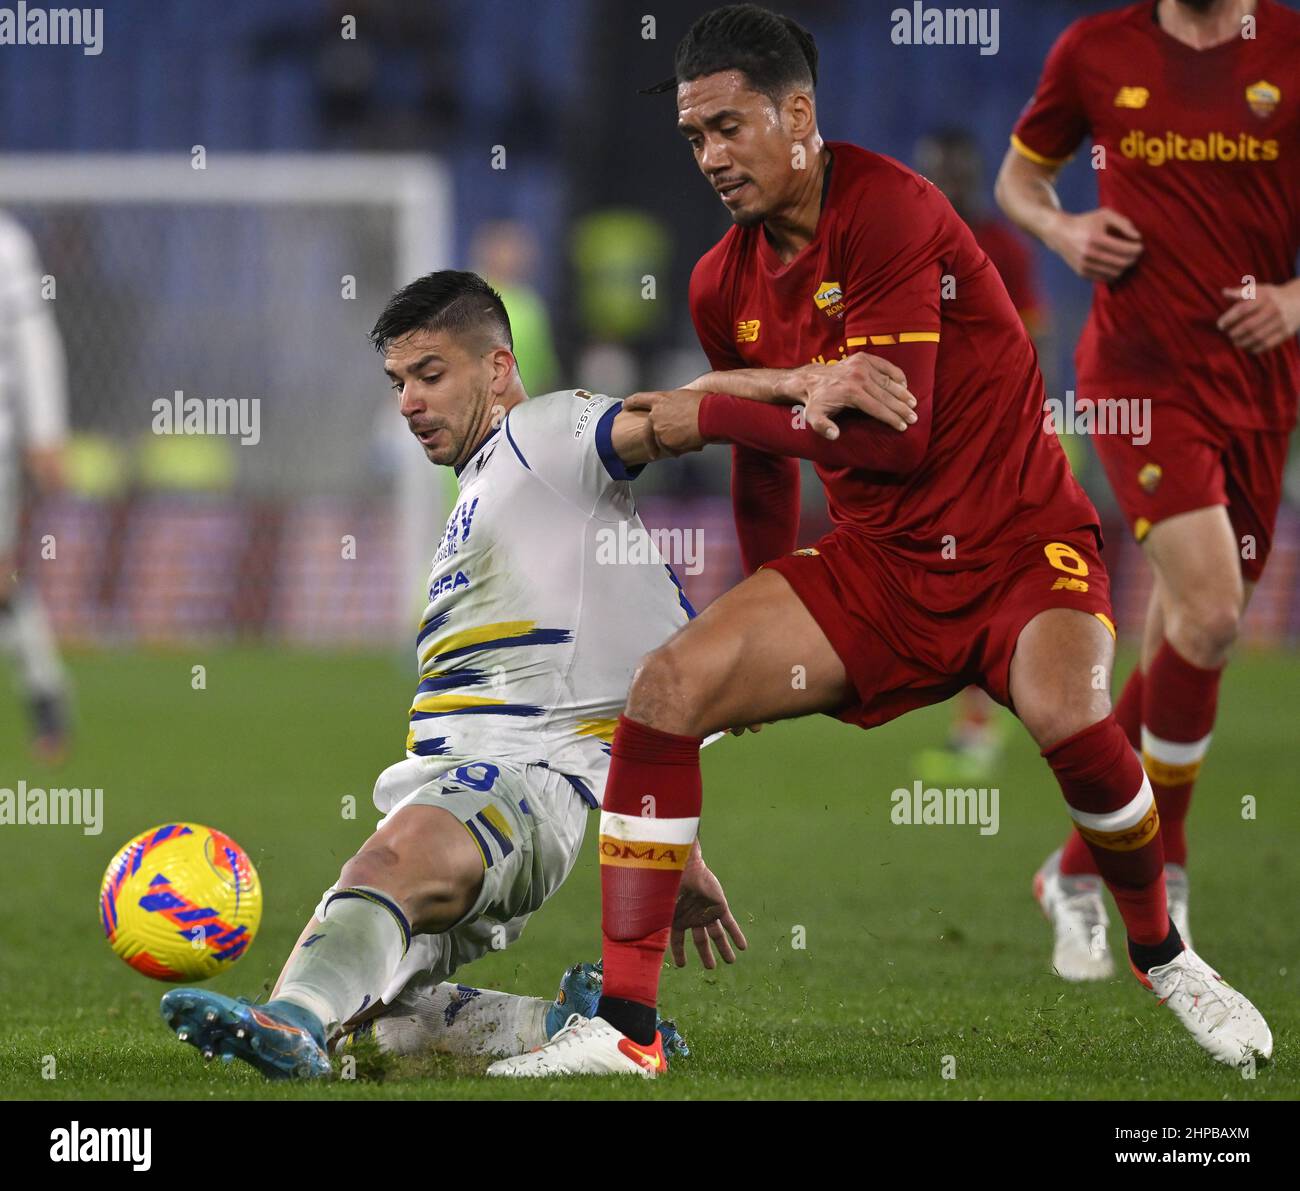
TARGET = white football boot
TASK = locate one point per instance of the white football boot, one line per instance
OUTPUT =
(1222, 1020)
(1074, 907)
(1176, 895)
(587, 1046)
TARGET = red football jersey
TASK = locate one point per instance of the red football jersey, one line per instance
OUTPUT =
(892, 269)
(1202, 153)
(1014, 261)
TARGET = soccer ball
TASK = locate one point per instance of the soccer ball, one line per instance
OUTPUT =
(180, 902)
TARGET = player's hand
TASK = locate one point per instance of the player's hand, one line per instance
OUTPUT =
(674, 418)
(702, 909)
(860, 381)
(44, 469)
(1100, 245)
(1261, 323)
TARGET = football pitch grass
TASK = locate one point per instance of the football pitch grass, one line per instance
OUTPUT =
(922, 951)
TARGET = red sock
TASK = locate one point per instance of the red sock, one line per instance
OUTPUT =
(1076, 856)
(1178, 710)
(648, 822)
(1114, 811)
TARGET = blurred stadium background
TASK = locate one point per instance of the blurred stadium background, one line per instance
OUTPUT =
(258, 275)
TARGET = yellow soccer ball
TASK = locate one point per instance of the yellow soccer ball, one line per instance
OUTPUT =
(180, 902)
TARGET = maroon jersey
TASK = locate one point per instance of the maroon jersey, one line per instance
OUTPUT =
(894, 271)
(1202, 153)
(1014, 261)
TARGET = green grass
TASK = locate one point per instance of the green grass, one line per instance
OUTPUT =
(922, 942)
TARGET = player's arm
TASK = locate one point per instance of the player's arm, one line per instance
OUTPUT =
(687, 419)
(1265, 319)
(862, 381)
(765, 494)
(632, 438)
(1098, 245)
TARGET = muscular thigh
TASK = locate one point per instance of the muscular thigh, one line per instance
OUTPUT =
(754, 655)
(1196, 558)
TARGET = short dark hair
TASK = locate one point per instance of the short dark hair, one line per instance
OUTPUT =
(773, 52)
(449, 300)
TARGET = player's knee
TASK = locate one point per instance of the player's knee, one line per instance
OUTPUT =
(1059, 714)
(667, 692)
(434, 894)
(376, 866)
(1204, 632)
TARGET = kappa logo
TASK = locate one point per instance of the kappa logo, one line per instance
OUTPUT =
(1263, 98)
(747, 330)
(1132, 97)
(1149, 477)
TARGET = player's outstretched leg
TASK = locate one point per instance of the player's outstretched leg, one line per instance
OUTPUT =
(439, 1017)
(420, 872)
(1059, 656)
(734, 665)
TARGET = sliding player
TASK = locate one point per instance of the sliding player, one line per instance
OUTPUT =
(962, 549)
(525, 652)
(33, 426)
(1194, 112)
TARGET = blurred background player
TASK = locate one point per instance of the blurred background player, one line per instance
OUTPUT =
(1195, 108)
(33, 427)
(951, 159)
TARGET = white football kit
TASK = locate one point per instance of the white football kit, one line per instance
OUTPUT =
(33, 403)
(539, 612)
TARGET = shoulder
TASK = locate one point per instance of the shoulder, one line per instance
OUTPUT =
(1099, 29)
(1285, 18)
(882, 199)
(564, 413)
(713, 266)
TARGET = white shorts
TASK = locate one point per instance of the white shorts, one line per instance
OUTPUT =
(528, 823)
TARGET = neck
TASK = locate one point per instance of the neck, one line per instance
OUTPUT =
(490, 419)
(791, 228)
(1220, 22)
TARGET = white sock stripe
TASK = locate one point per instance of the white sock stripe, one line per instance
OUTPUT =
(647, 829)
(1129, 815)
(1174, 752)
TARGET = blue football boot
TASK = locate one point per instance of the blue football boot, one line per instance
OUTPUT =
(280, 1039)
(580, 993)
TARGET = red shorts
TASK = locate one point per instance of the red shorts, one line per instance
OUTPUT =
(909, 636)
(1192, 463)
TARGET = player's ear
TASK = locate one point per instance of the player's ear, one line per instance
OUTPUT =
(503, 365)
(800, 115)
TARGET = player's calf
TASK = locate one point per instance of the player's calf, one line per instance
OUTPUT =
(419, 873)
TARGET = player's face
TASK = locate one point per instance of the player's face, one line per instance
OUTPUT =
(742, 142)
(444, 389)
